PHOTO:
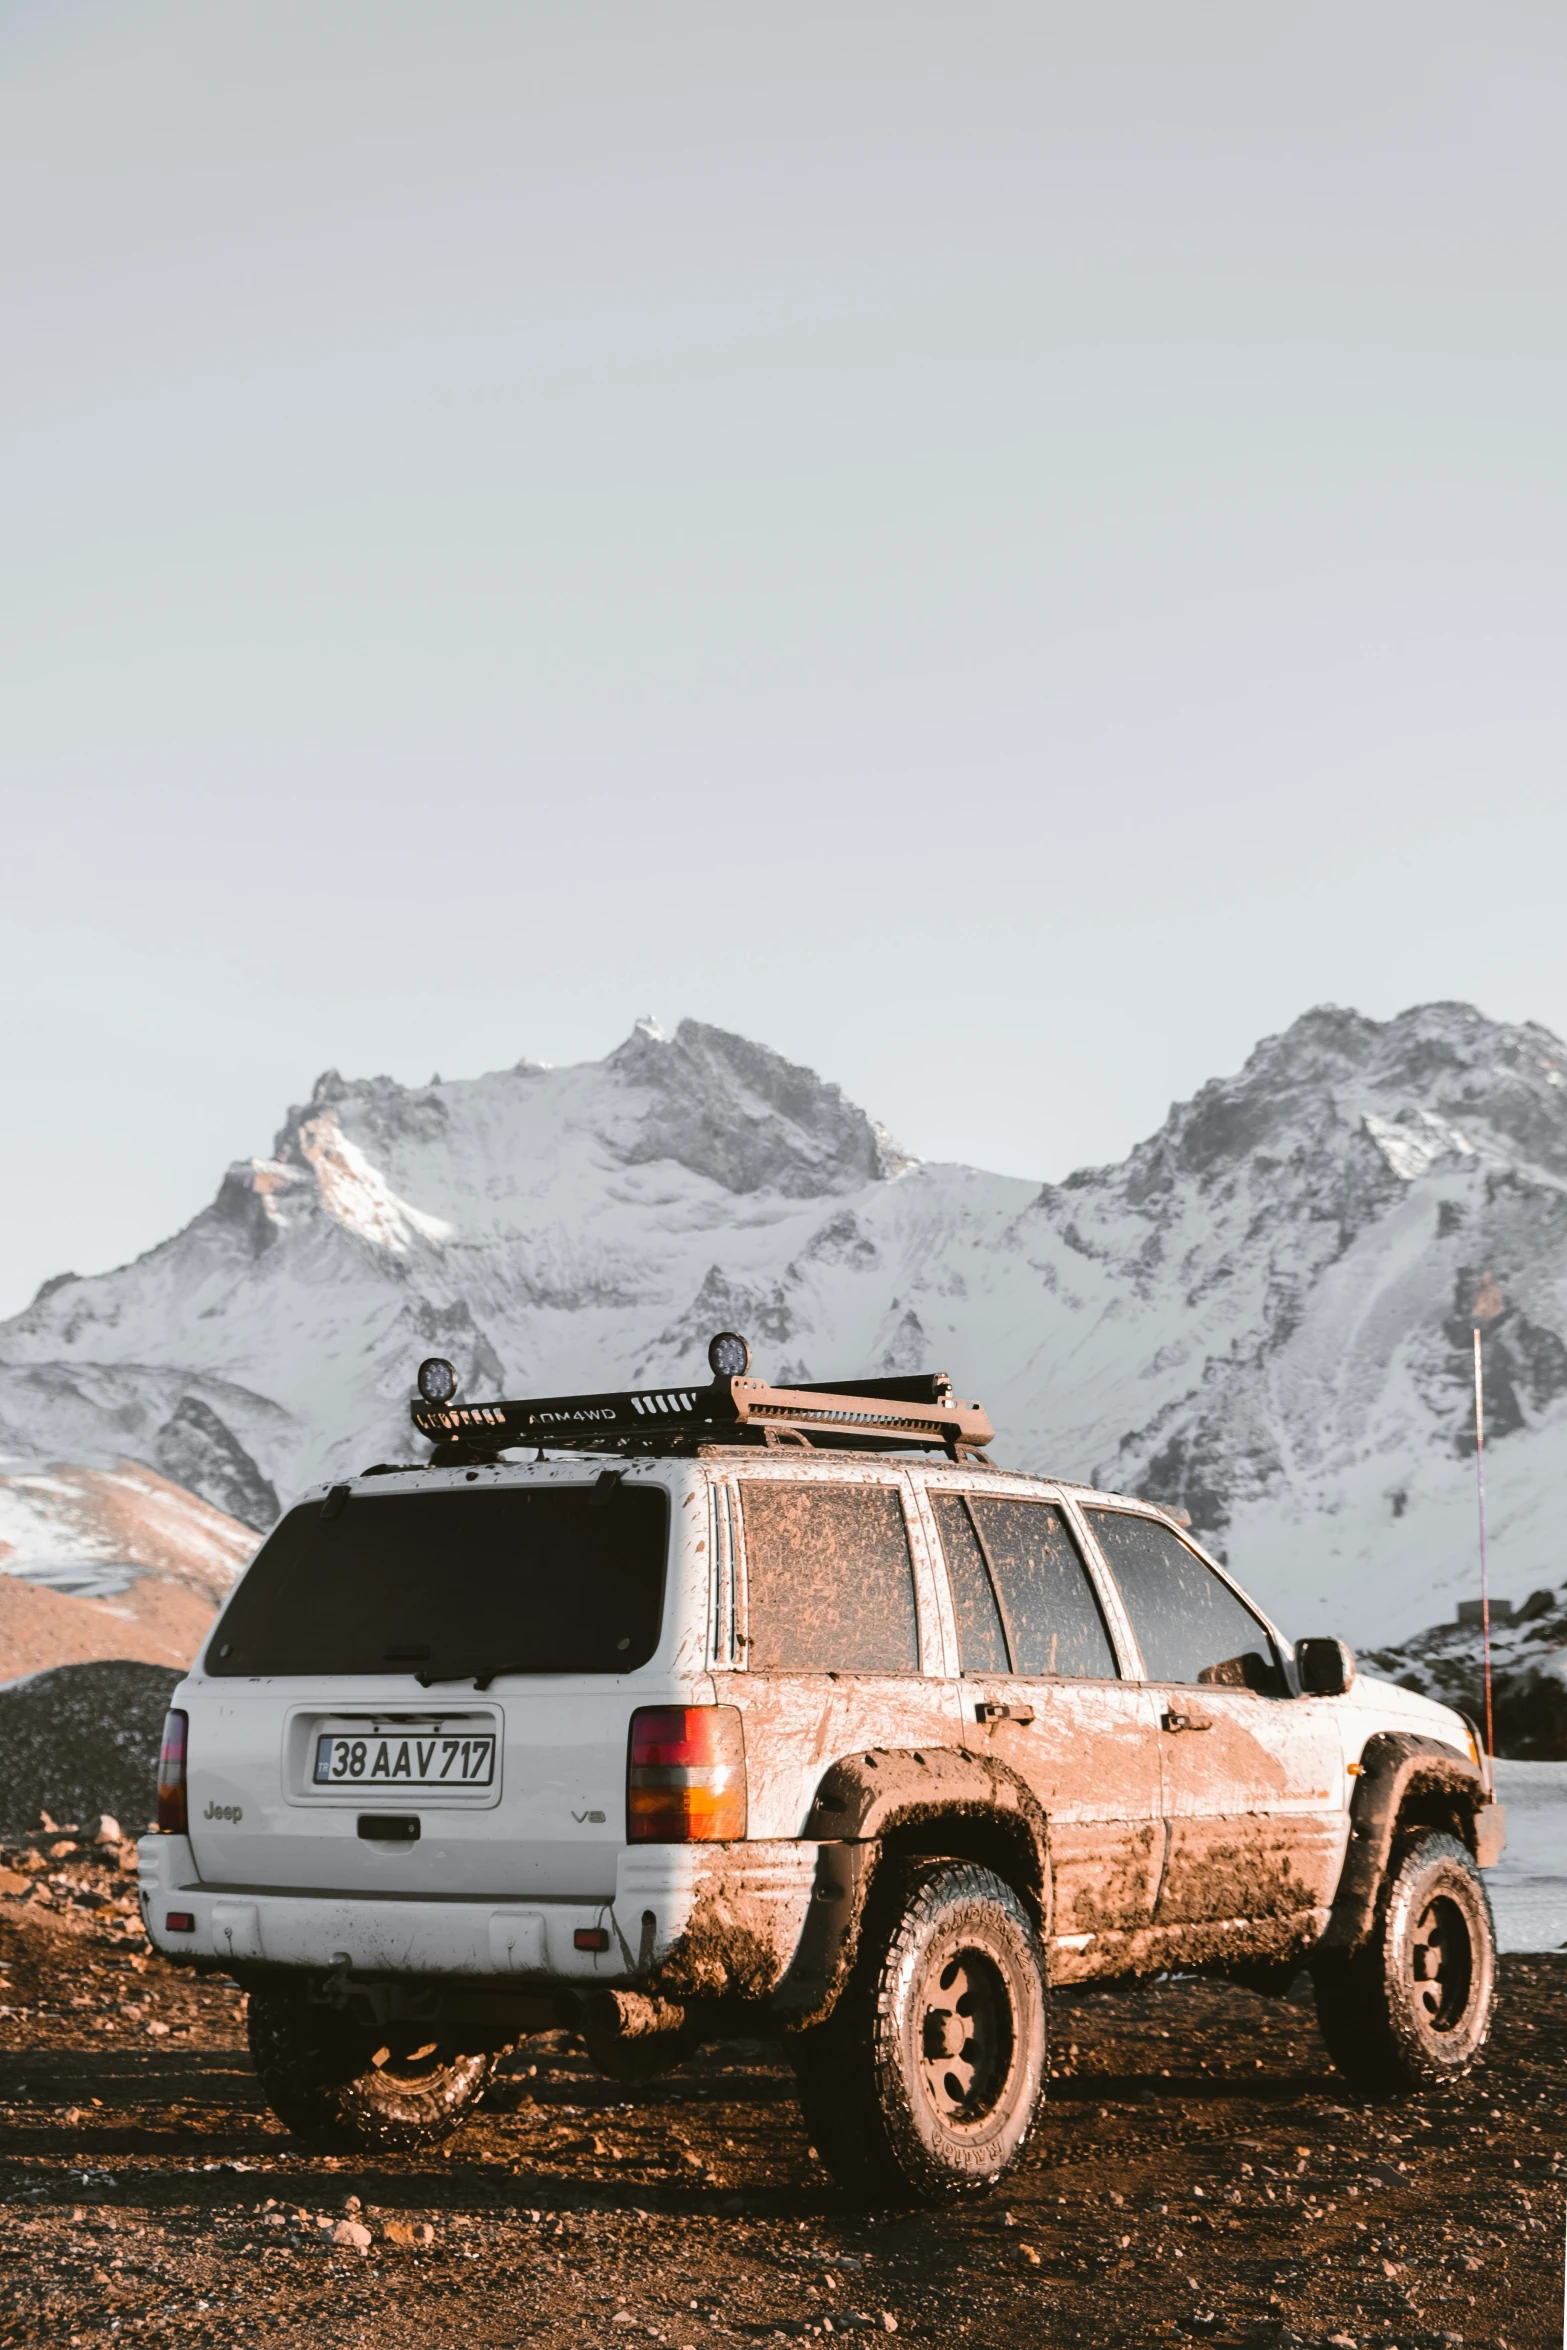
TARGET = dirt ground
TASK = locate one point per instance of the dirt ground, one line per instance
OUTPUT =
(1199, 2174)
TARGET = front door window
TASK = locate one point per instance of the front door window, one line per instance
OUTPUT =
(1191, 1628)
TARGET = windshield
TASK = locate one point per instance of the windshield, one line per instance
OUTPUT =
(459, 1581)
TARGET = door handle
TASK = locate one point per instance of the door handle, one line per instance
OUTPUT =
(1174, 1721)
(985, 1711)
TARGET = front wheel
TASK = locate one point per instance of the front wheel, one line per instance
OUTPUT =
(1413, 2006)
(337, 2083)
(922, 2083)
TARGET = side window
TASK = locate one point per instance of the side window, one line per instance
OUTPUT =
(982, 1644)
(1189, 1625)
(830, 1582)
(1048, 1613)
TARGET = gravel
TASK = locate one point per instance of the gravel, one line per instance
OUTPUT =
(80, 1740)
(1199, 2175)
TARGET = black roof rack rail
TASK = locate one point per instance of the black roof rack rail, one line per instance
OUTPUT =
(862, 1415)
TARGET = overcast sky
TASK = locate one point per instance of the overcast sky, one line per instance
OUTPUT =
(1004, 550)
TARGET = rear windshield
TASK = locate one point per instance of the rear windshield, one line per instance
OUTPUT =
(520, 1579)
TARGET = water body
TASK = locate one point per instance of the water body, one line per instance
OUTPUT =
(1529, 1887)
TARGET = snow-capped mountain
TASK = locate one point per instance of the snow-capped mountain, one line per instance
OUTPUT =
(1263, 1313)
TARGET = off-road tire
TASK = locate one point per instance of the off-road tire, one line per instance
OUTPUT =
(342, 2085)
(921, 2085)
(1413, 2005)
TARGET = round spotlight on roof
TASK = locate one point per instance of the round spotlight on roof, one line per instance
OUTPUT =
(728, 1355)
(438, 1380)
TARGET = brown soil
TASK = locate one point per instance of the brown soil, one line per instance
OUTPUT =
(156, 1622)
(1200, 2174)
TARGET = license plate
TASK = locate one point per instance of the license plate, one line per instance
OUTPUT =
(434, 1760)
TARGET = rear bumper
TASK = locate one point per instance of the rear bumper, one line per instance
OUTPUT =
(661, 1891)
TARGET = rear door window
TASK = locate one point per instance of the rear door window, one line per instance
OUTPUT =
(1046, 1602)
(441, 1584)
(982, 1639)
(829, 1578)
(1190, 1625)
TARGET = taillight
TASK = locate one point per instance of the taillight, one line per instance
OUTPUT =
(172, 1816)
(686, 1779)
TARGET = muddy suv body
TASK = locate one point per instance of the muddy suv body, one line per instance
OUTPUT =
(847, 1745)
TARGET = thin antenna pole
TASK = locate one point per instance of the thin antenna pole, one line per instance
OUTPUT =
(1485, 1584)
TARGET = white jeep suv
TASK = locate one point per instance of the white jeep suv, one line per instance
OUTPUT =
(783, 1712)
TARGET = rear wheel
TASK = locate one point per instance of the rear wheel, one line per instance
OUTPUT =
(922, 2083)
(1414, 2005)
(338, 2083)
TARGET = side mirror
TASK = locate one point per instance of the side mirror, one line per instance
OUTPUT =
(1327, 1667)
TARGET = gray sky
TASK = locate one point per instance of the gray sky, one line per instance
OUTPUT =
(1004, 550)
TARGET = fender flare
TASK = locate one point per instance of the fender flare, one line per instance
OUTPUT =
(1395, 1766)
(898, 1796)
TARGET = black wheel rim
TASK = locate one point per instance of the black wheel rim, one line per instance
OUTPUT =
(1441, 1964)
(964, 2036)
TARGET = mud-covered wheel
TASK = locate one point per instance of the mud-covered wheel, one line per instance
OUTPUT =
(1413, 2005)
(922, 2083)
(337, 2083)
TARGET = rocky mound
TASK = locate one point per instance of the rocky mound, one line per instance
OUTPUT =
(1528, 1674)
(82, 1741)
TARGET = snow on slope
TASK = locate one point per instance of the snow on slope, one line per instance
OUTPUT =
(111, 1562)
(1263, 1313)
(91, 1532)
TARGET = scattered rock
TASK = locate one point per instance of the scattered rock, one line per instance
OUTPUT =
(353, 2233)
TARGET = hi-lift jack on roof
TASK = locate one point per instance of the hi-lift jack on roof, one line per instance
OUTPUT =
(863, 1415)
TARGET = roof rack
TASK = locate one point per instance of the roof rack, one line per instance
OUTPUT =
(861, 1415)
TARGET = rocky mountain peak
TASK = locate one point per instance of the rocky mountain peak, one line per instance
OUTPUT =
(1335, 1087)
(1446, 1059)
(742, 1115)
